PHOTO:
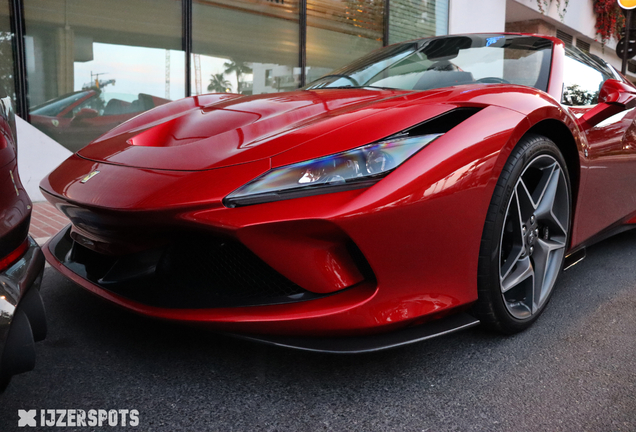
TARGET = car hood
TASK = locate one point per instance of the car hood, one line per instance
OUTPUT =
(214, 131)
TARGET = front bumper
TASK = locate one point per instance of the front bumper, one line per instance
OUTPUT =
(149, 292)
(22, 316)
(177, 296)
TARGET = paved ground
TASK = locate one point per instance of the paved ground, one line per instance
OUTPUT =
(46, 220)
(575, 370)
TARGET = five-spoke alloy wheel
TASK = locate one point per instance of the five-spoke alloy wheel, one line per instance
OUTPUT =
(525, 237)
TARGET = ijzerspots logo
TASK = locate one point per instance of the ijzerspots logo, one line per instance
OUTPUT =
(78, 418)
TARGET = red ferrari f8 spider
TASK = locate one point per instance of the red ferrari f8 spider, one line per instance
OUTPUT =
(426, 187)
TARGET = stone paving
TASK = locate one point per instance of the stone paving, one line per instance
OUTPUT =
(46, 221)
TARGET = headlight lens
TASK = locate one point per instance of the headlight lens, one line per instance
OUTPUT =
(355, 168)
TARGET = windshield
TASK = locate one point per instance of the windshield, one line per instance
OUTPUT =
(448, 61)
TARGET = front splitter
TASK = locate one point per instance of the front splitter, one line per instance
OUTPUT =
(371, 343)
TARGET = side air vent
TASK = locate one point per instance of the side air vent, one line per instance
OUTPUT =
(442, 123)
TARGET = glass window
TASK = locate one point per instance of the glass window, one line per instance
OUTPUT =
(7, 84)
(92, 65)
(583, 77)
(412, 19)
(448, 61)
(341, 31)
(245, 46)
(60, 105)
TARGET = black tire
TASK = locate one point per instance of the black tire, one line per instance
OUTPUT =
(4, 383)
(532, 248)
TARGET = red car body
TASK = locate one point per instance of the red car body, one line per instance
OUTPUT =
(392, 255)
(22, 317)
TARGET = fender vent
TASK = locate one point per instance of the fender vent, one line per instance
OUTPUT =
(442, 123)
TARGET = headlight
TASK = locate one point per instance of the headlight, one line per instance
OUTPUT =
(352, 169)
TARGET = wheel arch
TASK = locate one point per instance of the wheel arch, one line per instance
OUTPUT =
(562, 136)
(490, 308)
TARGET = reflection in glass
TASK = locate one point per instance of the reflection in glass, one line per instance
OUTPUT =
(245, 46)
(583, 77)
(573, 94)
(218, 84)
(339, 31)
(7, 85)
(413, 19)
(92, 65)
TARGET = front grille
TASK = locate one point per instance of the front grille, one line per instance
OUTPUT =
(227, 269)
(193, 273)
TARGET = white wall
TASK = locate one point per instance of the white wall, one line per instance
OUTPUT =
(470, 16)
(579, 21)
(38, 155)
(579, 15)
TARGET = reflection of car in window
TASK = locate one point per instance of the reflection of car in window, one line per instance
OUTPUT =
(60, 105)
(76, 119)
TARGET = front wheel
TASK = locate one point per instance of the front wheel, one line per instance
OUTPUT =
(525, 236)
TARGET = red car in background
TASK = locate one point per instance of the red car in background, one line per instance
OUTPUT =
(426, 187)
(22, 318)
(78, 118)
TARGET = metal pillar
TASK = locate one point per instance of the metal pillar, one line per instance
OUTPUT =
(628, 24)
(187, 43)
(19, 58)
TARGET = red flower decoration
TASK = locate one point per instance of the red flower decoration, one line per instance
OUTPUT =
(609, 20)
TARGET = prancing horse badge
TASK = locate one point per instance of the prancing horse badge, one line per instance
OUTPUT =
(89, 176)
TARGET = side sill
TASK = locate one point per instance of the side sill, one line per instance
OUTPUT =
(574, 258)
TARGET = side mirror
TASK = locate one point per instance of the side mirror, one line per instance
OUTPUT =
(615, 96)
(84, 114)
(617, 92)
